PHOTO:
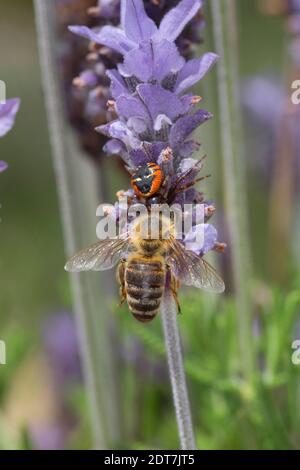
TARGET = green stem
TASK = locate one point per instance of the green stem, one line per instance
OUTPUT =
(176, 370)
(234, 170)
(78, 196)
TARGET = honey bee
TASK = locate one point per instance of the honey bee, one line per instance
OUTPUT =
(146, 264)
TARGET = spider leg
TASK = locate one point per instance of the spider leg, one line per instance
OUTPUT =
(189, 185)
(177, 188)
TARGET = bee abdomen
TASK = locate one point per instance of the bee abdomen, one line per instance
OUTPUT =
(136, 293)
(143, 311)
(144, 287)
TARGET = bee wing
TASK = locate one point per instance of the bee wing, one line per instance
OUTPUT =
(192, 270)
(103, 255)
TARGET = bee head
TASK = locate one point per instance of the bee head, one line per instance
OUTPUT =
(153, 227)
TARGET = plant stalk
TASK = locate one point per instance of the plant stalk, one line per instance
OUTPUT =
(176, 370)
(225, 34)
(78, 196)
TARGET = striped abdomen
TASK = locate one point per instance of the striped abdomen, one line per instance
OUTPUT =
(144, 283)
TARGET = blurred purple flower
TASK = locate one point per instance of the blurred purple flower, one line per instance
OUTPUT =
(87, 94)
(3, 166)
(50, 437)
(290, 10)
(293, 6)
(267, 108)
(61, 345)
(263, 99)
(147, 368)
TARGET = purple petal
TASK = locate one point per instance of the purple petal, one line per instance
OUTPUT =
(201, 239)
(147, 153)
(135, 22)
(109, 8)
(195, 166)
(153, 60)
(186, 197)
(188, 163)
(3, 166)
(161, 122)
(89, 78)
(176, 19)
(8, 112)
(139, 157)
(108, 36)
(160, 101)
(113, 147)
(188, 148)
(137, 62)
(190, 195)
(129, 106)
(194, 70)
(186, 125)
(118, 130)
(115, 129)
(187, 102)
(138, 125)
(117, 85)
(167, 59)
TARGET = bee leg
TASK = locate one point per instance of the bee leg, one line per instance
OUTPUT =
(174, 289)
(121, 281)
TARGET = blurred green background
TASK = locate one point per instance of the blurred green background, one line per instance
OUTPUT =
(36, 409)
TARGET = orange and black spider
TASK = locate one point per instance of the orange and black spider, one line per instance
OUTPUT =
(146, 180)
